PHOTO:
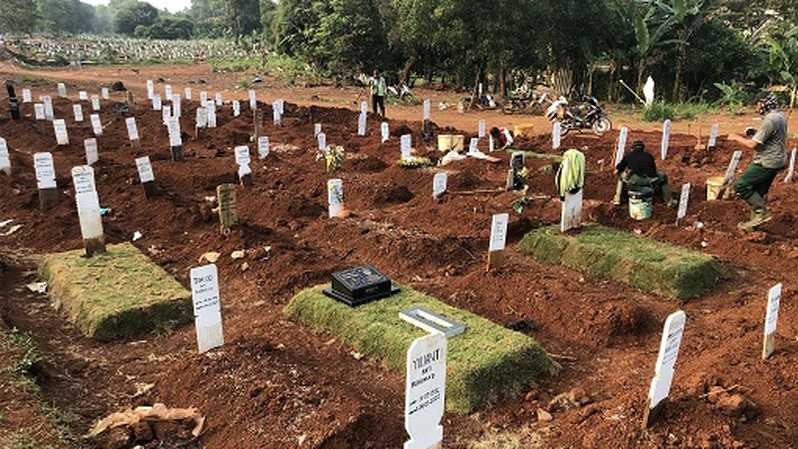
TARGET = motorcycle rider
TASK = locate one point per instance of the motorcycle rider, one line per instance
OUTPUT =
(502, 137)
(638, 169)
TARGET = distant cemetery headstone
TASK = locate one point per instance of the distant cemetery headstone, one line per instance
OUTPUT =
(228, 210)
(498, 240)
(60, 128)
(335, 197)
(243, 159)
(45, 180)
(96, 124)
(92, 154)
(5, 157)
(713, 136)
(439, 182)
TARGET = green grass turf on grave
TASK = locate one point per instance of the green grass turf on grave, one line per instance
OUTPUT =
(643, 263)
(115, 295)
(485, 364)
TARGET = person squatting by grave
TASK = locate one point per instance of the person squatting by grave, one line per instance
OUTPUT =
(770, 158)
(503, 138)
(379, 88)
(638, 170)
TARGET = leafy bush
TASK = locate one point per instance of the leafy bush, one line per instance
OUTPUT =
(661, 111)
(733, 96)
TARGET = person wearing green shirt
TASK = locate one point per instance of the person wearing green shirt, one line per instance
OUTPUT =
(379, 88)
(769, 159)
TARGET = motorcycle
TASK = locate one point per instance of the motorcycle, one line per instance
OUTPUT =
(588, 115)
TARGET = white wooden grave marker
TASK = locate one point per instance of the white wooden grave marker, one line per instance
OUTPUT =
(219, 99)
(771, 321)
(92, 154)
(88, 204)
(45, 180)
(95, 103)
(406, 145)
(667, 128)
(683, 201)
(335, 197)
(27, 97)
(38, 111)
(425, 391)
(167, 90)
(150, 89)
(236, 108)
(5, 158)
(132, 129)
(105, 93)
(207, 307)
(556, 136)
(664, 370)
(571, 215)
(427, 110)
(77, 111)
(253, 100)
(187, 93)
(361, 124)
(621, 149)
(483, 128)
(177, 106)
(96, 124)
(439, 184)
(49, 114)
(62, 92)
(385, 132)
(203, 97)
(211, 115)
(166, 114)
(61, 136)
(791, 169)
(83, 95)
(498, 240)
(713, 136)
(322, 140)
(263, 147)
(156, 102)
(732, 168)
(277, 118)
(473, 145)
(364, 107)
(316, 129)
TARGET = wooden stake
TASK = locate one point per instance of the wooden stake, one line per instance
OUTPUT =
(150, 189)
(652, 414)
(495, 260)
(94, 246)
(48, 198)
(228, 211)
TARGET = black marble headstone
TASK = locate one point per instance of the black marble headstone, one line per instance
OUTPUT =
(12, 101)
(360, 285)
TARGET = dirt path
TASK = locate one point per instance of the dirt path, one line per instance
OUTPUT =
(182, 76)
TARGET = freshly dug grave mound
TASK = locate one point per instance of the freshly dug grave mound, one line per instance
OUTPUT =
(643, 263)
(119, 294)
(486, 363)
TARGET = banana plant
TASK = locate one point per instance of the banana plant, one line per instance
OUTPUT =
(688, 16)
(783, 54)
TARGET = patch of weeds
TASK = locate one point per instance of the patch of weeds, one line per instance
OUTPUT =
(661, 111)
(244, 83)
(29, 352)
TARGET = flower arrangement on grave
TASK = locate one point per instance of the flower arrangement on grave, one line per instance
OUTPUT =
(415, 162)
(333, 156)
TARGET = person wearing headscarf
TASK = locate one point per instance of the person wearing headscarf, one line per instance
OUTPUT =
(638, 169)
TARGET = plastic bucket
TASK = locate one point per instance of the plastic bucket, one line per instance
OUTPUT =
(641, 205)
(444, 142)
(713, 187)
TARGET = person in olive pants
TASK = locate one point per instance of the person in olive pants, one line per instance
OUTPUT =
(771, 157)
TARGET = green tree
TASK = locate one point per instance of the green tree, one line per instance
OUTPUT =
(784, 61)
(18, 16)
(293, 21)
(166, 28)
(133, 14)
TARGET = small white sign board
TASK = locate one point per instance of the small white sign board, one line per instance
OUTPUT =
(439, 184)
(38, 111)
(498, 232)
(791, 169)
(92, 154)
(207, 307)
(666, 360)
(95, 103)
(203, 97)
(45, 170)
(49, 114)
(83, 95)
(96, 124)
(88, 203)
(316, 129)
(683, 201)
(236, 108)
(166, 114)
(771, 320)
(62, 92)
(211, 116)
(571, 215)
(150, 89)
(473, 145)
(621, 149)
(667, 128)
(219, 99)
(26, 96)
(253, 100)
(556, 136)
(83, 179)
(132, 129)
(167, 90)
(322, 140)
(263, 147)
(482, 129)
(427, 110)
(242, 155)
(156, 103)
(364, 107)
(105, 93)
(61, 136)
(187, 93)
(335, 197)
(144, 167)
(425, 391)
(406, 145)
(175, 135)
(177, 106)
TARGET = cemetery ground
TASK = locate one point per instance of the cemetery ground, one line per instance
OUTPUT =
(278, 383)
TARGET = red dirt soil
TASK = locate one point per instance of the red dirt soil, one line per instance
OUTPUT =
(276, 384)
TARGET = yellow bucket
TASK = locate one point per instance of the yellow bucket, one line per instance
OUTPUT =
(524, 130)
(713, 187)
(448, 142)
